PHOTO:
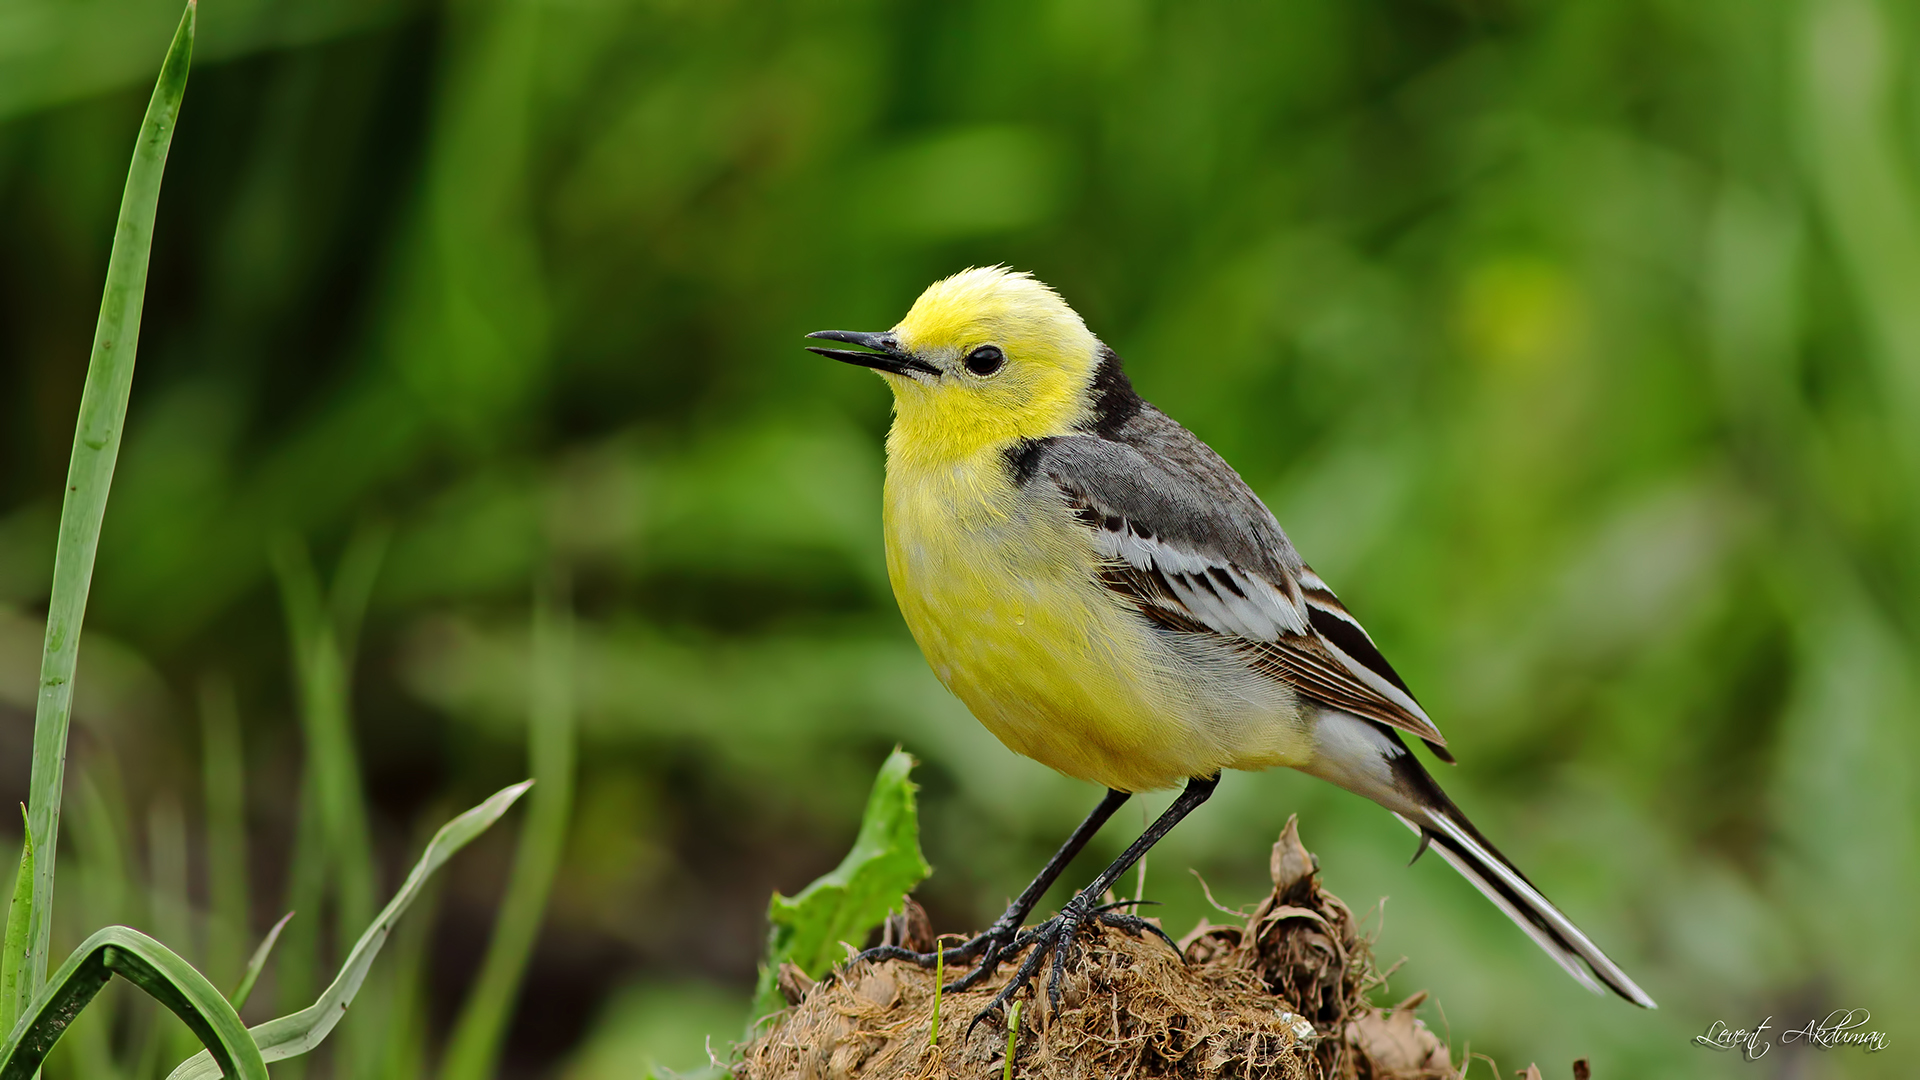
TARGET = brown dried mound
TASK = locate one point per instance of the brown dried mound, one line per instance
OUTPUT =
(1283, 995)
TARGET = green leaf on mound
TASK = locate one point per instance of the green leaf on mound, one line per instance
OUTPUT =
(846, 904)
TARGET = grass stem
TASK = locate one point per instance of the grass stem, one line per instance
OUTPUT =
(939, 977)
(16, 930)
(474, 1046)
(1013, 1040)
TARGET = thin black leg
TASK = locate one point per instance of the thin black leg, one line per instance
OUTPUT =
(1055, 936)
(997, 938)
(1022, 906)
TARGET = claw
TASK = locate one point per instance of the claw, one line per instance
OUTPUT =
(1028, 968)
(1054, 938)
(1134, 924)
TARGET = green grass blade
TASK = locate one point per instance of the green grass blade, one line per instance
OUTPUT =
(353, 581)
(99, 826)
(474, 1047)
(334, 802)
(14, 958)
(223, 775)
(332, 763)
(257, 963)
(170, 916)
(408, 1031)
(291, 1036)
(122, 951)
(105, 887)
(846, 904)
(299, 974)
(1013, 1040)
(96, 446)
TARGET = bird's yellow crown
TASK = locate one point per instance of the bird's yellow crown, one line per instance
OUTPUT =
(1042, 386)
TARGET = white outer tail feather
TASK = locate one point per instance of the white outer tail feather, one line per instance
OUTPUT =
(1476, 863)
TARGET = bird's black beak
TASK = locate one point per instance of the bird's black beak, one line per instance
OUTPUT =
(886, 354)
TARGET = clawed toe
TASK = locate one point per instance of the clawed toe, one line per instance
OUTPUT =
(984, 952)
(1050, 940)
(895, 952)
(1054, 939)
(1135, 925)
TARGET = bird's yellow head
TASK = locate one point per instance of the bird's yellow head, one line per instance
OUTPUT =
(984, 358)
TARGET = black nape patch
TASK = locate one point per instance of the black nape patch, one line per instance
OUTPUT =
(1114, 402)
(1023, 458)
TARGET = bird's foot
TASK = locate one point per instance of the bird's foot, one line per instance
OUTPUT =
(1055, 938)
(985, 951)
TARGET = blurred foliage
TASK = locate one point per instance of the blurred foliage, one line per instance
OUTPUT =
(1575, 343)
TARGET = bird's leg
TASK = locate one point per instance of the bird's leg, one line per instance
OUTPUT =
(1055, 936)
(990, 943)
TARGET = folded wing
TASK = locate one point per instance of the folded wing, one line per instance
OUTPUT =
(1185, 541)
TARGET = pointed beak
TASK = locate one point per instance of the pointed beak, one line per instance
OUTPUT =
(884, 353)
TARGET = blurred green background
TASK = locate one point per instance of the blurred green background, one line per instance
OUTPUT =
(1577, 344)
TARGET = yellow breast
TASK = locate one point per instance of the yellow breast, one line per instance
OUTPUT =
(997, 584)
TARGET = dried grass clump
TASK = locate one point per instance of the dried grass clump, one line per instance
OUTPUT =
(1281, 996)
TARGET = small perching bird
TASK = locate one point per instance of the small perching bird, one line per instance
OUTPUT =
(1110, 599)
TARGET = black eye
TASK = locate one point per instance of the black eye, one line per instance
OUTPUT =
(985, 360)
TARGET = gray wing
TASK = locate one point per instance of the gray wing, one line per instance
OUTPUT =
(1190, 545)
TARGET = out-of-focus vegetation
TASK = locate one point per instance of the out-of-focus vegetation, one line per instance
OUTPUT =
(47, 1004)
(1577, 344)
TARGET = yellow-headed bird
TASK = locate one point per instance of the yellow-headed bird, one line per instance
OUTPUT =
(1110, 599)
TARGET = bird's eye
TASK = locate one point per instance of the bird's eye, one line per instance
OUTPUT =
(985, 360)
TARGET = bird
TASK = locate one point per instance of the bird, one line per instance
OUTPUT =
(1109, 598)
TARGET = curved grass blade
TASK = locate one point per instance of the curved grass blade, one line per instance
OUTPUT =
(293, 1035)
(144, 962)
(257, 962)
(96, 447)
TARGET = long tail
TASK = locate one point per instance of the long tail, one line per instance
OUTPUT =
(1454, 837)
(1395, 779)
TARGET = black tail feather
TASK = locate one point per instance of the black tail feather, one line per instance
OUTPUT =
(1477, 860)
